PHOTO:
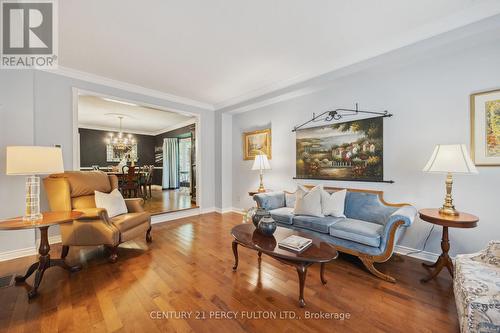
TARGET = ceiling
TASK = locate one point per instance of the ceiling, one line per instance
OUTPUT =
(222, 52)
(97, 112)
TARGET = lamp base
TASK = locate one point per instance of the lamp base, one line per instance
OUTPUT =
(451, 211)
(261, 186)
(32, 212)
(448, 207)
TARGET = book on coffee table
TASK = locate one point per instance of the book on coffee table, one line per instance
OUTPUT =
(295, 243)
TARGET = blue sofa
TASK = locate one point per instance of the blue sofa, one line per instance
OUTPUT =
(369, 231)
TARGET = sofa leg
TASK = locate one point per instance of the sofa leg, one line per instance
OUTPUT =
(369, 265)
(149, 238)
(64, 251)
(113, 257)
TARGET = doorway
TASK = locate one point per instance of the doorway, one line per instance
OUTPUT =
(145, 126)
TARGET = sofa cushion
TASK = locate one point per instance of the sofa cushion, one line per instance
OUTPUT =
(282, 215)
(128, 221)
(319, 224)
(358, 231)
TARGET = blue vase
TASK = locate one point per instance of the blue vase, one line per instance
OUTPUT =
(259, 214)
(267, 226)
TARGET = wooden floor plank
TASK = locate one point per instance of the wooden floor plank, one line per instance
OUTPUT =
(188, 269)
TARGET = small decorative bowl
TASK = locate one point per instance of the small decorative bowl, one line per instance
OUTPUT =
(267, 225)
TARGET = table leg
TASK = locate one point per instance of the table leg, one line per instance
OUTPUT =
(260, 256)
(235, 252)
(44, 262)
(444, 259)
(29, 272)
(302, 272)
(43, 259)
(322, 273)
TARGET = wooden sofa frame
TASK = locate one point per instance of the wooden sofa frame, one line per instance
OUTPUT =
(369, 260)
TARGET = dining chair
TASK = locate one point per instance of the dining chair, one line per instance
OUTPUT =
(131, 186)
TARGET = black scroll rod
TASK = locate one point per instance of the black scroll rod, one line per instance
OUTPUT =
(337, 115)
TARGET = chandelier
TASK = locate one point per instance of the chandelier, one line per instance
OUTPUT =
(121, 141)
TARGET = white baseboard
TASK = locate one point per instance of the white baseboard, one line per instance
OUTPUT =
(229, 210)
(423, 255)
(14, 254)
(177, 215)
(29, 251)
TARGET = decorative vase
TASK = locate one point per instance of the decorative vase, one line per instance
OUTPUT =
(267, 225)
(259, 214)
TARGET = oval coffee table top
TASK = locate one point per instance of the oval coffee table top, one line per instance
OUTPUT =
(248, 236)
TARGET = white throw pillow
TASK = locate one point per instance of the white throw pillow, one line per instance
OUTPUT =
(333, 204)
(308, 202)
(113, 202)
(290, 199)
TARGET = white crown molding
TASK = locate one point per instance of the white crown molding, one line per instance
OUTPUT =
(175, 126)
(97, 79)
(114, 129)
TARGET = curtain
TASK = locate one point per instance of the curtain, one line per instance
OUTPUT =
(170, 163)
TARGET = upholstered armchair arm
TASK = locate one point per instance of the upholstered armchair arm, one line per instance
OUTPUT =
(270, 200)
(134, 205)
(93, 214)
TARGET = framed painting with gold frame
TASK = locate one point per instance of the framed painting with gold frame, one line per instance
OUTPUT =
(255, 143)
(485, 128)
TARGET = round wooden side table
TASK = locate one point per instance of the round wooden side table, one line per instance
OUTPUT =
(44, 261)
(462, 220)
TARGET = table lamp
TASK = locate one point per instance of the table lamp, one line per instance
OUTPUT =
(31, 161)
(261, 163)
(450, 159)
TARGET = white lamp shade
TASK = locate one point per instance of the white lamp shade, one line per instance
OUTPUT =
(450, 158)
(34, 160)
(261, 163)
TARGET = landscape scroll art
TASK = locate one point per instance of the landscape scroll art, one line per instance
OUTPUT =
(349, 151)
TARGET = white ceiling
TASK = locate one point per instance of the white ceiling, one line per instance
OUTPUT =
(97, 113)
(225, 51)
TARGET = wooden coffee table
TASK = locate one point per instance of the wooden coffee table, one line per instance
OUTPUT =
(44, 261)
(319, 252)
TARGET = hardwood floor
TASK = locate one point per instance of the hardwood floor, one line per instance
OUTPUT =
(188, 268)
(167, 201)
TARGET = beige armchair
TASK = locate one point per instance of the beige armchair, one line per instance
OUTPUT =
(74, 190)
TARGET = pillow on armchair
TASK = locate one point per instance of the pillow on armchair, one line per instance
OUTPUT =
(113, 202)
(308, 202)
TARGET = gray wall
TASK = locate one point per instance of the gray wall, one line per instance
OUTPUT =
(93, 148)
(16, 128)
(37, 109)
(428, 93)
